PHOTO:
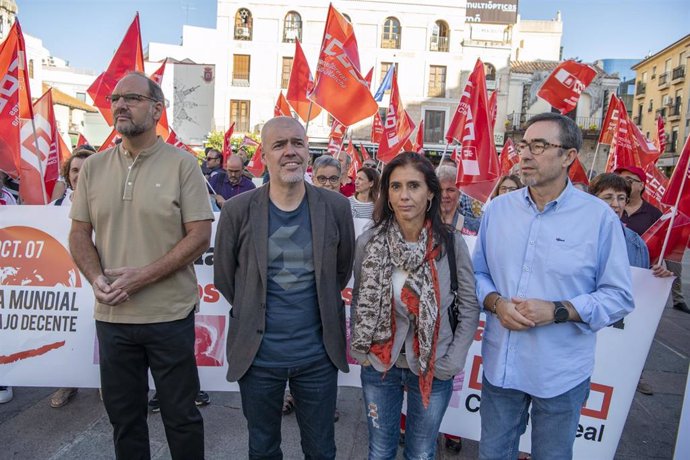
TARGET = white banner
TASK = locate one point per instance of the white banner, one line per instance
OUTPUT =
(47, 332)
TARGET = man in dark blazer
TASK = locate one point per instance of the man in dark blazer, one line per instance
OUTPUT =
(283, 253)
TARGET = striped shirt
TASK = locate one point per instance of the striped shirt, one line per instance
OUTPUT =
(361, 209)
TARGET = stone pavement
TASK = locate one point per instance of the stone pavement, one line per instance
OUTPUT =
(30, 429)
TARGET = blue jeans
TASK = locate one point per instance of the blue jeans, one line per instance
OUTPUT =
(504, 414)
(313, 386)
(383, 397)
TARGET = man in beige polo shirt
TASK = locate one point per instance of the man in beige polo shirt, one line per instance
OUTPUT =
(147, 204)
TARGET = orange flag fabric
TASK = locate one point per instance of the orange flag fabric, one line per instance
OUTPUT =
(338, 85)
(397, 128)
(577, 172)
(128, 57)
(82, 141)
(509, 157)
(300, 83)
(15, 99)
(162, 129)
(608, 128)
(175, 141)
(563, 87)
(282, 108)
(336, 138)
(110, 141)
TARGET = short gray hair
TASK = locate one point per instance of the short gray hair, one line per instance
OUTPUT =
(155, 90)
(326, 160)
(447, 172)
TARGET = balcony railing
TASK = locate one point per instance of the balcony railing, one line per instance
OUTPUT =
(240, 79)
(641, 89)
(678, 73)
(390, 41)
(438, 44)
(516, 121)
(663, 79)
(674, 111)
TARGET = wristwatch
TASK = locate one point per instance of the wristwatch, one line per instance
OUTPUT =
(560, 313)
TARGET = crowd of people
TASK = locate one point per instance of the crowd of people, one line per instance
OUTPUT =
(550, 269)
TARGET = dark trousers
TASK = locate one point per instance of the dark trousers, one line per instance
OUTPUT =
(315, 389)
(127, 351)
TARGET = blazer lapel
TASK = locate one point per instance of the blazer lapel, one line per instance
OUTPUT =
(317, 213)
(258, 218)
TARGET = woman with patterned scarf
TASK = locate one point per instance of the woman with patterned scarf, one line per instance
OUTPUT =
(402, 305)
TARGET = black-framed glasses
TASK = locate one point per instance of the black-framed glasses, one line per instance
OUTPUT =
(536, 147)
(129, 98)
(323, 179)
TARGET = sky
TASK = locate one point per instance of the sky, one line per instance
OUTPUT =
(87, 32)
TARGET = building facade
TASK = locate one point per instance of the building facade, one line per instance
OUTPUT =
(434, 46)
(663, 90)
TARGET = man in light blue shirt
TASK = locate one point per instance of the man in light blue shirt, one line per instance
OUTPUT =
(552, 269)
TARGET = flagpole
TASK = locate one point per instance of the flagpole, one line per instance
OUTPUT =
(673, 217)
(306, 127)
(594, 161)
(40, 163)
(443, 156)
(209, 185)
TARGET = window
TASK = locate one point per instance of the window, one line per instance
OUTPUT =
(490, 72)
(439, 37)
(644, 75)
(385, 67)
(434, 126)
(650, 107)
(31, 68)
(243, 24)
(391, 34)
(285, 76)
(239, 114)
(437, 81)
(240, 69)
(292, 30)
(81, 96)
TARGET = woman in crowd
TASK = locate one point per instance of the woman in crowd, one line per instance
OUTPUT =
(326, 173)
(366, 192)
(409, 330)
(615, 190)
(507, 184)
(451, 214)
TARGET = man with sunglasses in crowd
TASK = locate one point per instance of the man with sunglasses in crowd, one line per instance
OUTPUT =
(563, 276)
(146, 202)
(214, 163)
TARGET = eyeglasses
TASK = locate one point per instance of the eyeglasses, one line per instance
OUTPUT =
(323, 179)
(130, 98)
(632, 180)
(212, 158)
(535, 147)
(506, 189)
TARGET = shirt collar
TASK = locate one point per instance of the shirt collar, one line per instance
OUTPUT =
(556, 203)
(156, 147)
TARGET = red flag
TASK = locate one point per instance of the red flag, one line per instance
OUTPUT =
(608, 128)
(82, 141)
(356, 163)
(40, 150)
(249, 141)
(677, 241)
(397, 128)
(338, 85)
(15, 99)
(454, 155)
(471, 126)
(162, 129)
(419, 142)
(65, 151)
(656, 186)
(336, 138)
(282, 108)
(509, 157)
(677, 186)
(376, 128)
(365, 153)
(128, 57)
(301, 82)
(227, 147)
(577, 172)
(256, 163)
(493, 108)
(660, 134)
(175, 141)
(562, 88)
(111, 140)
(629, 146)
